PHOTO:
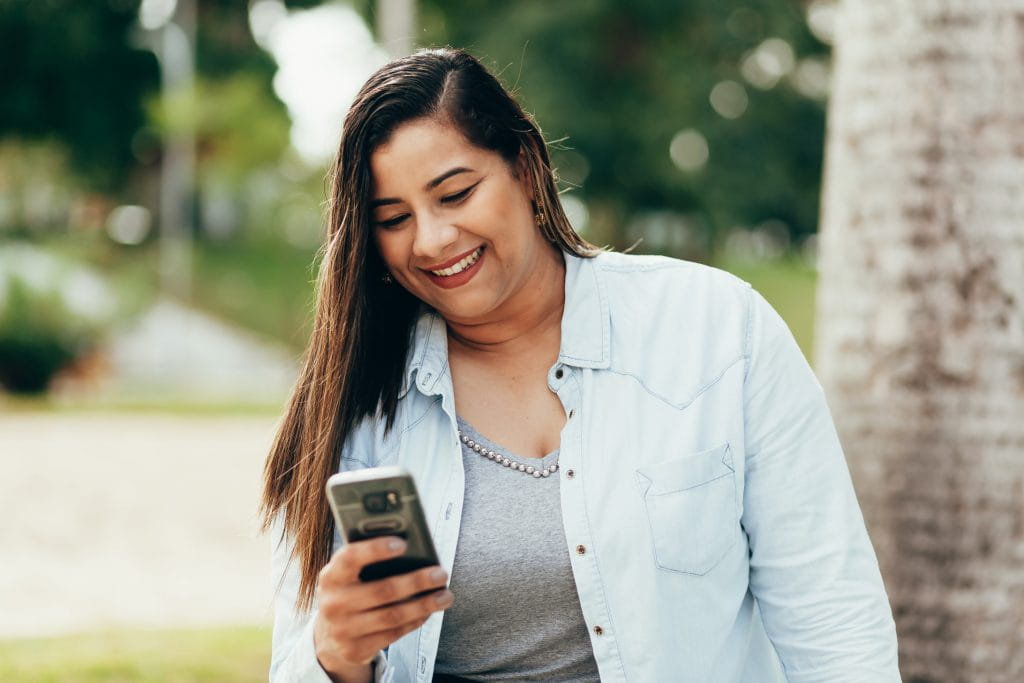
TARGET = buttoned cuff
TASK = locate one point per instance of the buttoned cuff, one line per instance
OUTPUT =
(307, 667)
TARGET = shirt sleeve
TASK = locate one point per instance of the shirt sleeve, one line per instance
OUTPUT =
(813, 571)
(293, 655)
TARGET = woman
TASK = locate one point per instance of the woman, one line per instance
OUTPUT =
(629, 470)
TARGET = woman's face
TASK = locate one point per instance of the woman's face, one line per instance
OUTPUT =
(454, 226)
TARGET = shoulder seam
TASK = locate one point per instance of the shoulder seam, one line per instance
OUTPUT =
(412, 423)
(627, 268)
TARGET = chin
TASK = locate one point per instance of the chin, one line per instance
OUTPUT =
(468, 309)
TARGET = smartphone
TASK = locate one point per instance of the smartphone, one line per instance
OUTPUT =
(382, 501)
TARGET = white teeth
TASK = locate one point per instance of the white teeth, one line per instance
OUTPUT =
(461, 265)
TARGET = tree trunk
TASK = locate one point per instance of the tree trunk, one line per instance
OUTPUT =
(921, 317)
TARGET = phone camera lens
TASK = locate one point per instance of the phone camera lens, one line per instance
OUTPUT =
(382, 501)
(375, 502)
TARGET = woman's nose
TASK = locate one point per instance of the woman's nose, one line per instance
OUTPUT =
(434, 237)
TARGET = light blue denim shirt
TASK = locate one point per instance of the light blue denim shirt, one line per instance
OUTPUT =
(699, 469)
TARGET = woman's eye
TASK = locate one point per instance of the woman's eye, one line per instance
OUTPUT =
(392, 222)
(458, 196)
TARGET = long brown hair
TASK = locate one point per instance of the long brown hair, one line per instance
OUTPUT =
(354, 364)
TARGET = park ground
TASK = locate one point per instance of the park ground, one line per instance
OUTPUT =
(131, 547)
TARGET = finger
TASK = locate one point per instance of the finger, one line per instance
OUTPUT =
(374, 594)
(382, 639)
(345, 565)
(397, 615)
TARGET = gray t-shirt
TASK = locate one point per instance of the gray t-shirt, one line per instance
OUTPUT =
(516, 615)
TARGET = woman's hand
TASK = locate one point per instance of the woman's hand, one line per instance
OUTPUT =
(356, 620)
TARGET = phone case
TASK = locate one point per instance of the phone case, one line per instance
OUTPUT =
(382, 501)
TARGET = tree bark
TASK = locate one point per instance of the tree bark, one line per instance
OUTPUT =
(921, 317)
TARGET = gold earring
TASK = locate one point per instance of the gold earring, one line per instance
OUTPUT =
(540, 218)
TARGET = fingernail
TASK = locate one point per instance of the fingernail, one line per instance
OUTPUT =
(444, 598)
(396, 544)
(438, 574)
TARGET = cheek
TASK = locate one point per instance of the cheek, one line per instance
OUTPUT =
(513, 217)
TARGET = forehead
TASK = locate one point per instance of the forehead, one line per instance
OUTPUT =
(420, 150)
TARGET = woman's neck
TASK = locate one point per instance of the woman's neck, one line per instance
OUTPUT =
(531, 322)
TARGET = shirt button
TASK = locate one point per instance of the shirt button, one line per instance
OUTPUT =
(559, 373)
(570, 474)
(581, 549)
(598, 630)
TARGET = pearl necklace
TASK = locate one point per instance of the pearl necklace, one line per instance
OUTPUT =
(536, 472)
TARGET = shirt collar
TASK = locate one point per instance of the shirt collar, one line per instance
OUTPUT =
(586, 328)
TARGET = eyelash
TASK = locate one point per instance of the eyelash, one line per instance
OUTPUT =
(450, 199)
(458, 196)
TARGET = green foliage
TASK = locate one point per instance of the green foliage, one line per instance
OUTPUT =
(35, 339)
(76, 73)
(264, 286)
(35, 186)
(50, 314)
(224, 44)
(71, 74)
(238, 123)
(224, 655)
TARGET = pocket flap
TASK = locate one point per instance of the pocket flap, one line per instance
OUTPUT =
(687, 472)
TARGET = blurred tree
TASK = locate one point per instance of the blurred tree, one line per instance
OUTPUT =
(34, 187)
(69, 73)
(74, 72)
(224, 43)
(622, 81)
(921, 319)
(240, 127)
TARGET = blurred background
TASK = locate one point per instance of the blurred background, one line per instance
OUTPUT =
(161, 183)
(162, 164)
(161, 188)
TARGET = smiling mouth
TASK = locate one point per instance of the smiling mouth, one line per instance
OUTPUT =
(460, 266)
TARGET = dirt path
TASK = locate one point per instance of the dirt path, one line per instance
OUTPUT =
(108, 520)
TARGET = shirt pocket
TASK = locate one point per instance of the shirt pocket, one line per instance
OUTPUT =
(691, 508)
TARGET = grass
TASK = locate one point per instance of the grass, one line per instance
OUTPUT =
(219, 655)
(162, 405)
(131, 273)
(265, 287)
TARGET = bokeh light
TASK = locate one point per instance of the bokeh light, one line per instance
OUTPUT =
(689, 150)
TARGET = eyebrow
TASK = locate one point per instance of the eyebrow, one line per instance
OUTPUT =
(429, 186)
